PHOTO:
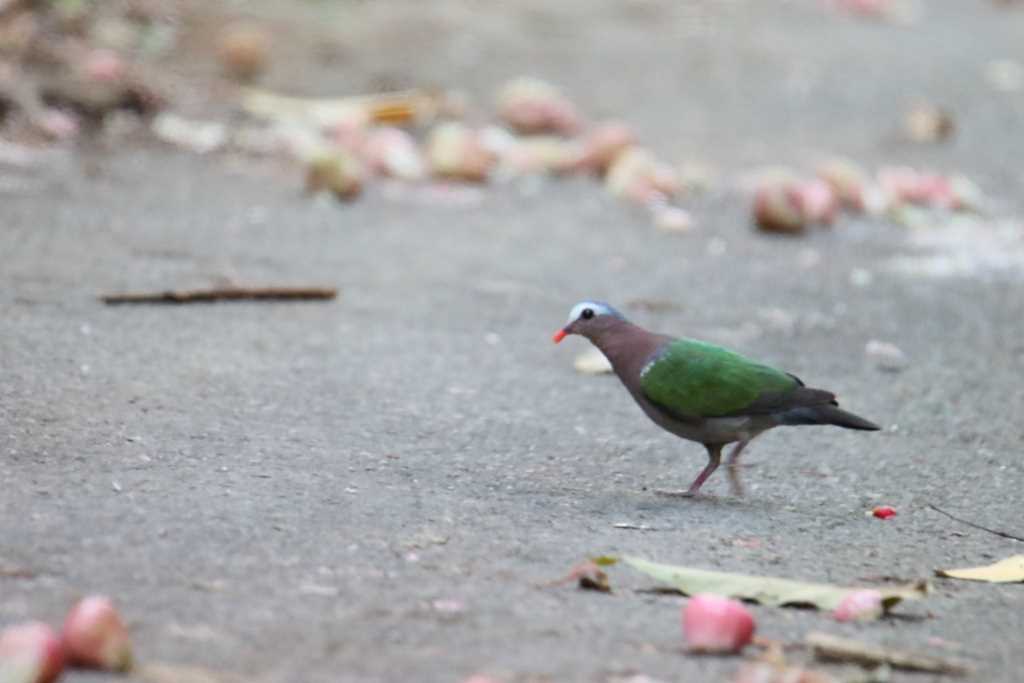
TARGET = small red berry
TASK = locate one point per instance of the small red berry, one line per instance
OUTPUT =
(883, 512)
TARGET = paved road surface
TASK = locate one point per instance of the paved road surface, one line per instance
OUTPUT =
(372, 489)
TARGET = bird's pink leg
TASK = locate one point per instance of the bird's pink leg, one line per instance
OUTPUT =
(731, 462)
(714, 458)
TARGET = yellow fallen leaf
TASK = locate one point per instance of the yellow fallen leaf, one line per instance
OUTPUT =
(1010, 570)
(766, 590)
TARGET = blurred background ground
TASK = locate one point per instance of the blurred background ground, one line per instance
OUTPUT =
(372, 489)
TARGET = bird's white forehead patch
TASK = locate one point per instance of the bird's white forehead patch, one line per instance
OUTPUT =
(596, 306)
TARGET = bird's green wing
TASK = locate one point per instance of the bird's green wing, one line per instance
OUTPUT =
(697, 379)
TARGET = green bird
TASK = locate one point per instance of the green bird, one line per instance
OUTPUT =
(702, 392)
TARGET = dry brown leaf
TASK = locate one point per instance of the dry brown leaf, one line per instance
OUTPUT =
(1010, 570)
(833, 648)
(588, 575)
(928, 123)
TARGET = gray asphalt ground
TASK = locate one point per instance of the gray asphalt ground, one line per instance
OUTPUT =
(373, 489)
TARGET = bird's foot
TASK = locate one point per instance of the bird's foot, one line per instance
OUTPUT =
(734, 480)
(675, 493)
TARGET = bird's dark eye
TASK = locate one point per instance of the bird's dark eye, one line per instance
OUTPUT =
(587, 313)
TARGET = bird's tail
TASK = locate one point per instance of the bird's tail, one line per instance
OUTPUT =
(827, 415)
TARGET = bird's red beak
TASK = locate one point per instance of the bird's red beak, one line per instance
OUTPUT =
(560, 335)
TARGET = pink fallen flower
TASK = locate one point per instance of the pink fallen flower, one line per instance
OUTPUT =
(603, 144)
(454, 150)
(31, 653)
(847, 180)
(340, 172)
(348, 129)
(862, 605)
(393, 152)
(530, 105)
(542, 154)
(712, 623)
(905, 185)
(104, 66)
(779, 207)
(818, 201)
(937, 191)
(58, 124)
(637, 176)
(95, 636)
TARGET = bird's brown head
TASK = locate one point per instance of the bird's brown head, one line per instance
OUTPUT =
(589, 319)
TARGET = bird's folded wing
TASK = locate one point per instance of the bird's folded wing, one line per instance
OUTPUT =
(695, 379)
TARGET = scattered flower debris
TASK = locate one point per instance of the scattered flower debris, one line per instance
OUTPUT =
(31, 652)
(779, 207)
(785, 203)
(636, 175)
(530, 105)
(404, 107)
(95, 636)
(713, 624)
(340, 172)
(456, 151)
(818, 201)
(863, 605)
(393, 152)
(848, 182)
(104, 66)
(58, 124)
(540, 154)
(906, 185)
(603, 144)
